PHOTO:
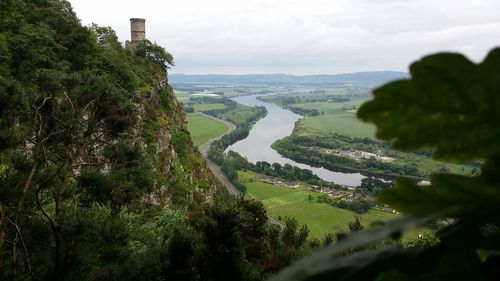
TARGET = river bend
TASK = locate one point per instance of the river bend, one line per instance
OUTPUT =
(277, 124)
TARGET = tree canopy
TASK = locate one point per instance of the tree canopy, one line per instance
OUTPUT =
(155, 54)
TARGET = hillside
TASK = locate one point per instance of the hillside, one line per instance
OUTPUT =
(87, 130)
(99, 178)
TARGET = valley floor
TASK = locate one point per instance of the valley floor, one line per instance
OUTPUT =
(301, 203)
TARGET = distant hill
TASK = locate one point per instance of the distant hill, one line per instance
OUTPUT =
(361, 78)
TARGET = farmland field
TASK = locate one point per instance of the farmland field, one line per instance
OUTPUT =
(239, 115)
(337, 118)
(321, 218)
(207, 106)
(202, 128)
(181, 96)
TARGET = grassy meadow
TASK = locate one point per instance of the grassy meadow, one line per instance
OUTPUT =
(202, 128)
(337, 118)
(340, 118)
(238, 115)
(281, 201)
(207, 106)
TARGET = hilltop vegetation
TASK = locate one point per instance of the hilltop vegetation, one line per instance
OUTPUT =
(88, 132)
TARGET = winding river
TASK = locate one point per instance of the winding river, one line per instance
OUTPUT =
(278, 124)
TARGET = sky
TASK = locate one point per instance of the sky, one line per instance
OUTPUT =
(303, 37)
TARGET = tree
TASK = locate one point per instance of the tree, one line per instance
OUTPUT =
(106, 36)
(355, 225)
(328, 239)
(65, 117)
(155, 53)
(449, 105)
(182, 255)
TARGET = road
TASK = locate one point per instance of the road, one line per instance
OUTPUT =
(204, 148)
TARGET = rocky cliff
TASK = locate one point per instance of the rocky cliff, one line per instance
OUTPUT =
(181, 175)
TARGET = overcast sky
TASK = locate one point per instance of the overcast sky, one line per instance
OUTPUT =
(303, 37)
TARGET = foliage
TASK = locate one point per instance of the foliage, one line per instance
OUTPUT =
(357, 205)
(450, 105)
(317, 96)
(304, 111)
(308, 150)
(231, 240)
(372, 186)
(155, 53)
(106, 36)
(355, 225)
(75, 167)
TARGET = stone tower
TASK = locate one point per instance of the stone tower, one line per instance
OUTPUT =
(137, 31)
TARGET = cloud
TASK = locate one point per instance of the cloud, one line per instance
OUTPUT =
(291, 36)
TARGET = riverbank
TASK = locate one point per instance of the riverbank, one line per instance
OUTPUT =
(279, 123)
(216, 169)
(337, 140)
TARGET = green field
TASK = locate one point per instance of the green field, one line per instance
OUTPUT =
(337, 118)
(319, 217)
(340, 118)
(207, 106)
(181, 96)
(202, 128)
(340, 123)
(239, 115)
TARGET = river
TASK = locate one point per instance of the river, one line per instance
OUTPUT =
(278, 124)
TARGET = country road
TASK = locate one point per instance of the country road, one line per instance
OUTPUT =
(204, 148)
(216, 170)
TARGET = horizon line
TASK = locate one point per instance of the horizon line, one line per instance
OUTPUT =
(290, 74)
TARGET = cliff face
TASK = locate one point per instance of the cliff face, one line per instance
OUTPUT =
(181, 176)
